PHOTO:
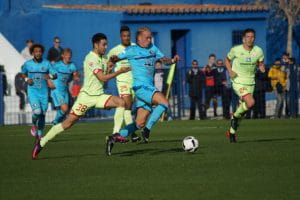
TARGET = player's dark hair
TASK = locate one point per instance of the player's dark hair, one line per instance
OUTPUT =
(158, 61)
(98, 37)
(219, 60)
(211, 55)
(124, 28)
(249, 30)
(36, 46)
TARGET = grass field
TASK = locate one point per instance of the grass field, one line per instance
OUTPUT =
(264, 164)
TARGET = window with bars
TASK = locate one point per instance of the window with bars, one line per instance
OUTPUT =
(237, 37)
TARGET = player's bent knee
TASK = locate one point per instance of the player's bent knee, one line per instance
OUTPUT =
(64, 108)
(140, 123)
(250, 104)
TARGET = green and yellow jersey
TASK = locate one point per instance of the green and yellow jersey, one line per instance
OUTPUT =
(244, 63)
(91, 65)
(124, 77)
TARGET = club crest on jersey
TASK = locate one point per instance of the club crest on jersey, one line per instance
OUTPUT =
(253, 55)
(151, 52)
(43, 68)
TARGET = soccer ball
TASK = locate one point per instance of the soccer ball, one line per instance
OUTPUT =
(190, 144)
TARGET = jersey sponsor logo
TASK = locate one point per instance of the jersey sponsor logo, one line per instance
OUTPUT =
(248, 59)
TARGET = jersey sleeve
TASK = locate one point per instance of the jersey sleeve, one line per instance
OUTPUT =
(73, 68)
(231, 54)
(126, 54)
(158, 53)
(24, 69)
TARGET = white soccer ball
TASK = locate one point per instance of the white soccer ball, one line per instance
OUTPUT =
(190, 144)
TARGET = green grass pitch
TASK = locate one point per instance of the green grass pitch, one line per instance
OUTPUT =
(264, 164)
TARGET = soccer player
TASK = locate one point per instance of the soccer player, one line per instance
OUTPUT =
(65, 69)
(36, 73)
(96, 72)
(244, 58)
(124, 83)
(142, 58)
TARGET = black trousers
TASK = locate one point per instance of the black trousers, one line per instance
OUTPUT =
(210, 94)
(197, 101)
(223, 92)
(22, 99)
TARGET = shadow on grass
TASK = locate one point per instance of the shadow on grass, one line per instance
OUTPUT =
(150, 151)
(69, 156)
(268, 140)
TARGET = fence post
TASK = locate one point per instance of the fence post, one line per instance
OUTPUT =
(1, 100)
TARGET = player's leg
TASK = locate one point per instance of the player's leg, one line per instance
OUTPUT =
(36, 111)
(246, 102)
(82, 104)
(60, 101)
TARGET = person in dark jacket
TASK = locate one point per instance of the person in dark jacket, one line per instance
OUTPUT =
(261, 80)
(195, 78)
(21, 88)
(221, 87)
(54, 53)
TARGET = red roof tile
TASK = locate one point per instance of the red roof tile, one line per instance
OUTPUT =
(167, 9)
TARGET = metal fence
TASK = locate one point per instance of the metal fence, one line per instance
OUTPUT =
(10, 112)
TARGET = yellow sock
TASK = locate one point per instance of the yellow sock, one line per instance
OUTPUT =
(240, 110)
(118, 119)
(51, 134)
(127, 117)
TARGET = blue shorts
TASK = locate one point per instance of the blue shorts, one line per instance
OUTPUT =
(144, 96)
(59, 98)
(38, 101)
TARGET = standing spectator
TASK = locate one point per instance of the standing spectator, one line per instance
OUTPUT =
(285, 60)
(221, 87)
(26, 51)
(292, 89)
(54, 53)
(159, 76)
(278, 82)
(195, 78)
(210, 91)
(259, 108)
(4, 80)
(21, 88)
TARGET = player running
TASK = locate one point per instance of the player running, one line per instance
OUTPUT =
(124, 83)
(96, 72)
(65, 70)
(245, 58)
(142, 58)
(36, 74)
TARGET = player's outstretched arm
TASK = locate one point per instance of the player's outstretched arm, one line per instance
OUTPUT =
(170, 61)
(105, 77)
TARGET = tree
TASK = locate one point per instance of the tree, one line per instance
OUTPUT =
(288, 9)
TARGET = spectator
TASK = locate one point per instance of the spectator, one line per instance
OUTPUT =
(221, 87)
(285, 59)
(4, 80)
(195, 78)
(278, 82)
(210, 92)
(26, 51)
(54, 53)
(259, 109)
(21, 88)
(159, 76)
(292, 90)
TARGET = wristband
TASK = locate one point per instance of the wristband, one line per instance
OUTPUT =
(26, 79)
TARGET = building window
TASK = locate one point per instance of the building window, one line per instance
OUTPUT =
(237, 37)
